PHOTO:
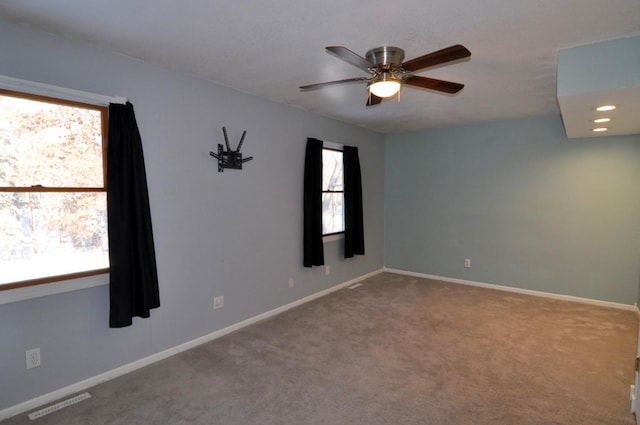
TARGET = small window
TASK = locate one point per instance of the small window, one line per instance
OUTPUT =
(53, 214)
(332, 192)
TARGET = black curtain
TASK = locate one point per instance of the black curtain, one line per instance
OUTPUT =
(133, 284)
(353, 226)
(313, 247)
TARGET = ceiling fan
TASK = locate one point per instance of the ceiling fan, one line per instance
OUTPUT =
(389, 73)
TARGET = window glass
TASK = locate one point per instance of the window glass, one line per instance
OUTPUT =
(332, 192)
(332, 179)
(48, 144)
(53, 215)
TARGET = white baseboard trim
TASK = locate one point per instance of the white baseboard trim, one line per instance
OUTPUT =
(122, 370)
(600, 303)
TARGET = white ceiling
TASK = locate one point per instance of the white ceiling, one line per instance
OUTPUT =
(271, 47)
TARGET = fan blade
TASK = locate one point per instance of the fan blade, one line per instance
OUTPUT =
(449, 54)
(433, 84)
(332, 83)
(372, 99)
(350, 57)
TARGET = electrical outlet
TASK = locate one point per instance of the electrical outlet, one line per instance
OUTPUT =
(327, 270)
(291, 282)
(32, 358)
(467, 262)
(218, 302)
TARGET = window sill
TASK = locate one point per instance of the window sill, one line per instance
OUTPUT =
(35, 291)
(333, 238)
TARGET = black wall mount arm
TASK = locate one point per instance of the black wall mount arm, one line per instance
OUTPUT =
(230, 158)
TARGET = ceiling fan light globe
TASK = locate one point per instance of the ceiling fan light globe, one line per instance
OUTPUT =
(385, 88)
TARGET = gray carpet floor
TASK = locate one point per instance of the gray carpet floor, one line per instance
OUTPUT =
(396, 350)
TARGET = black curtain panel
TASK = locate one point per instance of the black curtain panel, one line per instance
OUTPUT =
(353, 226)
(133, 284)
(313, 248)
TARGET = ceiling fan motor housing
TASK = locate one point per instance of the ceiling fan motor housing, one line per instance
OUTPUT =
(385, 56)
(389, 72)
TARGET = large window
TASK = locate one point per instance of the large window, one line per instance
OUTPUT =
(53, 220)
(332, 192)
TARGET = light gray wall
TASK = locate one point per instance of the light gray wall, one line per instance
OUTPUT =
(529, 207)
(237, 233)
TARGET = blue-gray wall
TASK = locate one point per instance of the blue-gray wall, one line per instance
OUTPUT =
(616, 66)
(530, 208)
(237, 233)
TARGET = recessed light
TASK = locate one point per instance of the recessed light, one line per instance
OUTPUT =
(600, 129)
(601, 120)
(604, 108)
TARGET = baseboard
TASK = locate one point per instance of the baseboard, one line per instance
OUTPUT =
(122, 370)
(635, 388)
(600, 303)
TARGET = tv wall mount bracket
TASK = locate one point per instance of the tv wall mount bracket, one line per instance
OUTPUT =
(230, 158)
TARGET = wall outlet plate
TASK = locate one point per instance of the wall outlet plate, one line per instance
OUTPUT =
(218, 302)
(32, 358)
